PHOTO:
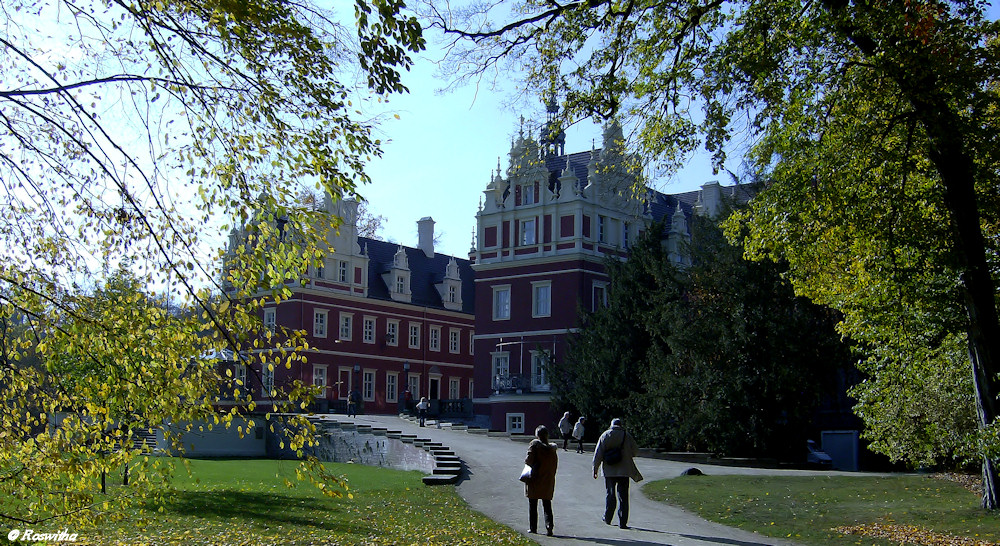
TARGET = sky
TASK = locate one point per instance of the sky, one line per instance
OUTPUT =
(442, 151)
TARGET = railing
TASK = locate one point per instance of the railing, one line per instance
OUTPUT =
(518, 383)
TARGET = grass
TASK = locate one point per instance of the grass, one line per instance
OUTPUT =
(807, 509)
(246, 502)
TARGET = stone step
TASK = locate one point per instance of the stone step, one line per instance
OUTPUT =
(440, 479)
(446, 458)
(482, 431)
(446, 471)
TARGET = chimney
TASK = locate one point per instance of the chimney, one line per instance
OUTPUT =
(425, 235)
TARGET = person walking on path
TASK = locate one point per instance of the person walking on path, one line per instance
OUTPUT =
(565, 429)
(422, 409)
(543, 458)
(578, 433)
(615, 451)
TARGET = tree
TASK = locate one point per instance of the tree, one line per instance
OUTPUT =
(137, 133)
(874, 123)
(717, 356)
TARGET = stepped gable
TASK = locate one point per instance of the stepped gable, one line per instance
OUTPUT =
(425, 273)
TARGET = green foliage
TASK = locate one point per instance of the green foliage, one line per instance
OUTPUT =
(134, 135)
(874, 126)
(717, 356)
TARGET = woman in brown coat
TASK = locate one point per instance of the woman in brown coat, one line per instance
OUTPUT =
(543, 459)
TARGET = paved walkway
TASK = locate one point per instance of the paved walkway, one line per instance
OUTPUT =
(489, 484)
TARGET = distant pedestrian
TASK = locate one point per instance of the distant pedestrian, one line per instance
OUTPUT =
(578, 433)
(422, 409)
(543, 458)
(616, 450)
(408, 401)
(352, 403)
(565, 429)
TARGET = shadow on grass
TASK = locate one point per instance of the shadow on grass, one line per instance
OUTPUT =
(274, 509)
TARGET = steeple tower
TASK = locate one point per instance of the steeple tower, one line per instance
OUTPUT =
(552, 139)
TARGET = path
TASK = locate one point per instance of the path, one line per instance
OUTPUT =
(489, 484)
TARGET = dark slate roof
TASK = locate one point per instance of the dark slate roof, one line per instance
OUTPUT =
(555, 164)
(424, 274)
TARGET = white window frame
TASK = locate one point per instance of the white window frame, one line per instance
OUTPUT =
(240, 376)
(368, 329)
(528, 194)
(537, 309)
(392, 332)
(320, 378)
(434, 343)
(454, 340)
(413, 383)
(501, 302)
(270, 318)
(346, 326)
(515, 423)
(368, 385)
(400, 283)
(320, 322)
(539, 376)
(472, 345)
(603, 288)
(454, 388)
(414, 340)
(499, 366)
(625, 234)
(342, 270)
(529, 235)
(452, 293)
(392, 387)
(266, 378)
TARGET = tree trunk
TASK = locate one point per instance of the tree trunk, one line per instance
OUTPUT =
(913, 72)
(958, 173)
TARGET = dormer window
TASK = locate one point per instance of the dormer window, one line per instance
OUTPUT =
(528, 195)
(450, 287)
(397, 279)
(452, 294)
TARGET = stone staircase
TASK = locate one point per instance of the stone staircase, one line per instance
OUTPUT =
(447, 466)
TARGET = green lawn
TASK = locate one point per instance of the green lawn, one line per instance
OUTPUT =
(247, 502)
(806, 509)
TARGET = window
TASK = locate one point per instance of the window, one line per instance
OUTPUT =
(452, 294)
(368, 385)
(602, 226)
(342, 271)
(319, 379)
(454, 340)
(471, 390)
(319, 323)
(528, 232)
(600, 296)
(267, 379)
(414, 336)
(400, 284)
(435, 341)
(453, 388)
(624, 234)
(392, 333)
(515, 423)
(346, 326)
(391, 387)
(501, 370)
(269, 318)
(240, 376)
(541, 299)
(413, 380)
(320, 271)
(472, 344)
(369, 330)
(501, 302)
(539, 368)
(528, 194)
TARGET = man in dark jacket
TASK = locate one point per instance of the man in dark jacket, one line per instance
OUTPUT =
(616, 450)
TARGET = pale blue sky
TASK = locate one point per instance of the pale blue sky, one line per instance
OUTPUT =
(440, 154)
